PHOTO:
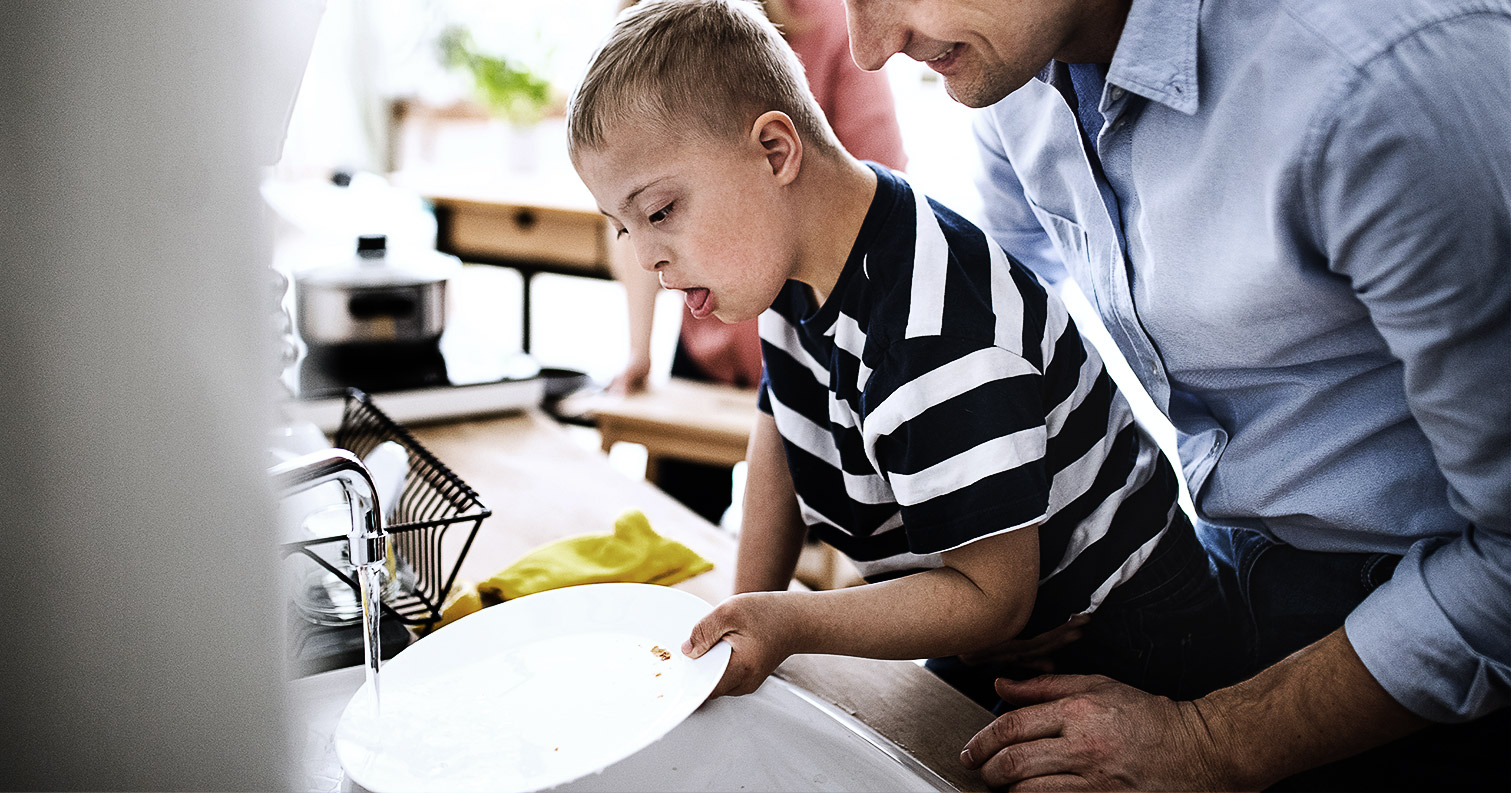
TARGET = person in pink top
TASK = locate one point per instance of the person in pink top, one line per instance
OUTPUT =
(859, 107)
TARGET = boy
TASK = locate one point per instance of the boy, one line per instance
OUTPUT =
(928, 407)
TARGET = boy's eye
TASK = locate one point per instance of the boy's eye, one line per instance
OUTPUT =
(660, 214)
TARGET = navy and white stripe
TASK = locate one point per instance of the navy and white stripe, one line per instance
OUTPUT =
(942, 395)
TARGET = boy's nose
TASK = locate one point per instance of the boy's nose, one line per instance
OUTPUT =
(650, 259)
(875, 35)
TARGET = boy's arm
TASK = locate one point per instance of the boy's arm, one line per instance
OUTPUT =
(984, 592)
(771, 529)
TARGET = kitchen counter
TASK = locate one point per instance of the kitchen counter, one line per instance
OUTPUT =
(543, 486)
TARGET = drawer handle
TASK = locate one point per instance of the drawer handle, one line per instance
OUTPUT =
(525, 219)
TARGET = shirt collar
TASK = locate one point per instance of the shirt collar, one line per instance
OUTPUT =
(1156, 54)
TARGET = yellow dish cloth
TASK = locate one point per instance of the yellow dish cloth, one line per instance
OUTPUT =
(462, 600)
(632, 554)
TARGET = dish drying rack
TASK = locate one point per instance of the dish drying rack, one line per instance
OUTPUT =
(433, 502)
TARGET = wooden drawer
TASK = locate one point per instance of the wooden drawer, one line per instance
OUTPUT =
(563, 238)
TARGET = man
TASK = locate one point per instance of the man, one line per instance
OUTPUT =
(1295, 220)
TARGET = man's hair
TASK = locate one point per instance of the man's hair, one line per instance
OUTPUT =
(704, 68)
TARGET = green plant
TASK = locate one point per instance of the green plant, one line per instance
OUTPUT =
(508, 89)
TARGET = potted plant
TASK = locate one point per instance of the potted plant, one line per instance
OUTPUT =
(508, 89)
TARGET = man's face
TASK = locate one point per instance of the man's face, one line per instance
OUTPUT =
(984, 49)
(705, 216)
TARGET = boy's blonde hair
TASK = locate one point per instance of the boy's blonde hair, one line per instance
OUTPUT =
(705, 68)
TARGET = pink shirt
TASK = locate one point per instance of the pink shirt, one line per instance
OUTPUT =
(859, 107)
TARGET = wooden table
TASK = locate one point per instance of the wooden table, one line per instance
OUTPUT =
(542, 486)
(698, 422)
(678, 419)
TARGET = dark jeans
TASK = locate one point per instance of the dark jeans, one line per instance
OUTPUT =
(1286, 598)
(1167, 631)
(705, 489)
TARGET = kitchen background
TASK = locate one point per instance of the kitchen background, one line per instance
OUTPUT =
(144, 644)
(380, 96)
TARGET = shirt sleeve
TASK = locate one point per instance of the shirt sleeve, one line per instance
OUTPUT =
(1412, 182)
(1006, 215)
(957, 430)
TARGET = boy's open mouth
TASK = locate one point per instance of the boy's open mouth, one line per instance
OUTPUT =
(699, 301)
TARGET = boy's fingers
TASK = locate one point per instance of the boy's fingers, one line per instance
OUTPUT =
(1041, 665)
(705, 634)
(1043, 688)
(727, 683)
(1060, 635)
(1032, 653)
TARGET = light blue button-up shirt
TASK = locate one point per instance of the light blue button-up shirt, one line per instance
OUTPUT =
(1303, 248)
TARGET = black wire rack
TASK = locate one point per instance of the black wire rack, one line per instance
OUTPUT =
(433, 502)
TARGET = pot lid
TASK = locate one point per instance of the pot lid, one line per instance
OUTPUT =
(375, 265)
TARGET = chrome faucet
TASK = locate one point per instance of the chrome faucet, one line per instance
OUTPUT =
(367, 541)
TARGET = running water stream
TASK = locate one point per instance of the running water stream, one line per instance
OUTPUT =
(370, 576)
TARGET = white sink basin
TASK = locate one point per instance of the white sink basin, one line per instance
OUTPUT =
(780, 738)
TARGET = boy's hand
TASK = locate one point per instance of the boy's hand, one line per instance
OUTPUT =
(1036, 653)
(759, 633)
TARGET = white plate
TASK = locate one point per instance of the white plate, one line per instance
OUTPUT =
(531, 693)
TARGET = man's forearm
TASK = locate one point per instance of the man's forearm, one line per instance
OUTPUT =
(640, 289)
(1319, 705)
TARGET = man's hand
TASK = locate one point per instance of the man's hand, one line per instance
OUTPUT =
(759, 635)
(634, 377)
(1036, 653)
(1073, 732)
(1318, 705)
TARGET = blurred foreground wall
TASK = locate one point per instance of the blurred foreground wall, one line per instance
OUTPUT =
(140, 626)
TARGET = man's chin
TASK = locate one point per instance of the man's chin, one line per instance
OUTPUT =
(973, 93)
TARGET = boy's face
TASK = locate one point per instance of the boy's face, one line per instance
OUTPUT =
(707, 217)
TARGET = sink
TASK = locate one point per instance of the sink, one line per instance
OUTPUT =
(781, 738)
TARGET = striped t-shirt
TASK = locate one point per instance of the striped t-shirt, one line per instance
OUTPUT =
(942, 395)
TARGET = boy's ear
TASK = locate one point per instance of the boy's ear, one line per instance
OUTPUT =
(779, 141)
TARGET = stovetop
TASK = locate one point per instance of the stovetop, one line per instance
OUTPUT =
(322, 372)
(455, 377)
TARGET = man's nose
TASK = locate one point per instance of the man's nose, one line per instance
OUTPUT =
(875, 36)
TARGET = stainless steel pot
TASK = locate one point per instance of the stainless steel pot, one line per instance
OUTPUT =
(376, 299)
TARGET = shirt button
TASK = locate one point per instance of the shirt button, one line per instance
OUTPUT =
(1116, 93)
